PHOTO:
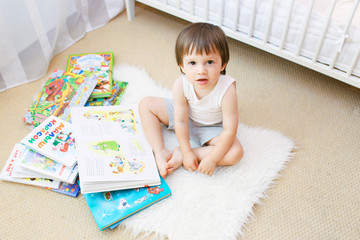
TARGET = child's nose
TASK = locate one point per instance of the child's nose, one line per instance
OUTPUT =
(201, 69)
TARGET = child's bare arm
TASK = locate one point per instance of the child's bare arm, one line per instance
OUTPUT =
(181, 121)
(227, 136)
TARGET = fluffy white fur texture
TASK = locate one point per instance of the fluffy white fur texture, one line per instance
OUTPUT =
(207, 207)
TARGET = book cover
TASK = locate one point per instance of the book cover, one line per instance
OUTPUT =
(117, 93)
(61, 91)
(110, 208)
(94, 65)
(53, 138)
(11, 165)
(68, 189)
(38, 163)
(113, 151)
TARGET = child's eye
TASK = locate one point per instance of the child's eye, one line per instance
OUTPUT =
(192, 63)
(210, 62)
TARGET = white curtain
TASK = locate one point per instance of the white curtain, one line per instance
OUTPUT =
(33, 31)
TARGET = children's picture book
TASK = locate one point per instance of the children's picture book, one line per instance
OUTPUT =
(113, 151)
(38, 163)
(110, 208)
(94, 65)
(61, 92)
(68, 189)
(53, 138)
(115, 98)
(20, 172)
(11, 165)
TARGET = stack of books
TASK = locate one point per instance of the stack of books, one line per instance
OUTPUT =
(83, 139)
(113, 154)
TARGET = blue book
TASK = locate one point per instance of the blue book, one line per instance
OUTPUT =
(68, 189)
(110, 208)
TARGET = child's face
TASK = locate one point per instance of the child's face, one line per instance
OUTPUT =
(202, 70)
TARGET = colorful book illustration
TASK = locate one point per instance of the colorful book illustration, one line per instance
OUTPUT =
(110, 208)
(53, 138)
(94, 65)
(38, 163)
(61, 91)
(68, 189)
(113, 151)
(11, 165)
(117, 93)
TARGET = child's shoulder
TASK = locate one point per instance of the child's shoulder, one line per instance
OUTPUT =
(226, 81)
(177, 84)
(178, 81)
(227, 78)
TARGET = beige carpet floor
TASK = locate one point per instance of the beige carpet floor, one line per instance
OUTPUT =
(317, 195)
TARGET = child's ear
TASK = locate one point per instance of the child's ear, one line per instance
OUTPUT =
(223, 67)
(181, 69)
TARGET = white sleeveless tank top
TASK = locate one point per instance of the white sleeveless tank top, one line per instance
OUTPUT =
(207, 110)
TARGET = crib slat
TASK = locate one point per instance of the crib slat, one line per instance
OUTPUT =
(207, 10)
(286, 29)
(221, 12)
(192, 2)
(353, 63)
(324, 31)
(252, 22)
(346, 30)
(303, 33)
(269, 20)
(237, 12)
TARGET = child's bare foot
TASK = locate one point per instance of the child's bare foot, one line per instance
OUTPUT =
(162, 157)
(207, 166)
(175, 161)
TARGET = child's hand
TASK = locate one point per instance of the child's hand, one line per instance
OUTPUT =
(207, 166)
(190, 161)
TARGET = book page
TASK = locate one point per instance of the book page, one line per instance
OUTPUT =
(111, 145)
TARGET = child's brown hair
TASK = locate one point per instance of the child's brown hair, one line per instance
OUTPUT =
(202, 37)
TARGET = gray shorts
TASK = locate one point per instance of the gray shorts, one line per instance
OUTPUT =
(199, 133)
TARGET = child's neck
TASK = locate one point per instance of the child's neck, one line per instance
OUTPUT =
(201, 93)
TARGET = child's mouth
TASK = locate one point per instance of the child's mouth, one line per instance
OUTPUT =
(202, 81)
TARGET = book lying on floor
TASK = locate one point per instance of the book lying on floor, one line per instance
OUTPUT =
(67, 189)
(32, 163)
(113, 151)
(117, 93)
(11, 165)
(110, 208)
(53, 139)
(94, 65)
(61, 91)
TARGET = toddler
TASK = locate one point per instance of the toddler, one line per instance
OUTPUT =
(203, 109)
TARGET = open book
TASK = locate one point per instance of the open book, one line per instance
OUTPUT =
(113, 152)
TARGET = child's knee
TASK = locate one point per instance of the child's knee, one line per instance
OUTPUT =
(145, 104)
(240, 153)
(237, 153)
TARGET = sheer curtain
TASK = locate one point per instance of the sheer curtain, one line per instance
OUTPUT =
(33, 31)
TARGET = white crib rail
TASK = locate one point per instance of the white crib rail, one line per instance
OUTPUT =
(346, 76)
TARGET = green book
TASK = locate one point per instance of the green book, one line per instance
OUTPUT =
(118, 91)
(94, 65)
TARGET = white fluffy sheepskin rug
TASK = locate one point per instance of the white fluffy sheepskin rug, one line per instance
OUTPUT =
(207, 207)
